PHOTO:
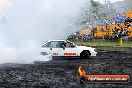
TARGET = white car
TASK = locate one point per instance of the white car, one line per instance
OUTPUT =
(65, 48)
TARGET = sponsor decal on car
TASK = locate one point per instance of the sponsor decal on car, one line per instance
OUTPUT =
(69, 54)
(55, 54)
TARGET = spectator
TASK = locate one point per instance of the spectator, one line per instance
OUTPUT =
(119, 40)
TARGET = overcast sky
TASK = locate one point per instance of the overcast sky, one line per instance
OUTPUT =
(6, 3)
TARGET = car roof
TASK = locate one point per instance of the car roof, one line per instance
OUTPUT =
(52, 40)
(56, 40)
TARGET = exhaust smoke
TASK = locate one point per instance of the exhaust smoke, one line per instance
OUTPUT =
(26, 24)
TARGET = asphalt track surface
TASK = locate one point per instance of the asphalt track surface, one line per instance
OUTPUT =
(62, 73)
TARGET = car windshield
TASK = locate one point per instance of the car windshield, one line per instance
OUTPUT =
(46, 45)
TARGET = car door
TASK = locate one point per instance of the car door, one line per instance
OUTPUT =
(71, 50)
(56, 49)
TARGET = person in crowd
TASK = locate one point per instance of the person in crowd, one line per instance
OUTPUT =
(84, 38)
(120, 34)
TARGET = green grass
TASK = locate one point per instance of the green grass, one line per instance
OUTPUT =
(101, 43)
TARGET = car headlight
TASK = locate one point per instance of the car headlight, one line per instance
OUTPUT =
(45, 53)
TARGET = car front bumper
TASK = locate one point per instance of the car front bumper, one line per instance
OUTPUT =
(93, 53)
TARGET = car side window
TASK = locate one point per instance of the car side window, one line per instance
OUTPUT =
(55, 44)
(47, 45)
(62, 44)
(69, 45)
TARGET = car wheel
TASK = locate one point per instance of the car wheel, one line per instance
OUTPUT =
(85, 55)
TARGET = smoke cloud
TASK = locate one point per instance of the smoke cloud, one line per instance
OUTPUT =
(26, 24)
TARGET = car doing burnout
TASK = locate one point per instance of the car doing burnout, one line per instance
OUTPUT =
(65, 48)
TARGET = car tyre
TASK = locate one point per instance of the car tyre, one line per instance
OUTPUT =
(85, 55)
